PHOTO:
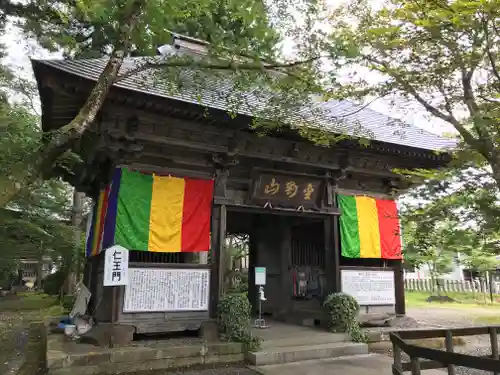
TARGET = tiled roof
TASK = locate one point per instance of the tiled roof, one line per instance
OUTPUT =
(340, 117)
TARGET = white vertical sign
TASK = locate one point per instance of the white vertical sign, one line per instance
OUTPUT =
(116, 266)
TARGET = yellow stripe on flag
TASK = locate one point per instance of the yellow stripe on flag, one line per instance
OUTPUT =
(165, 221)
(369, 234)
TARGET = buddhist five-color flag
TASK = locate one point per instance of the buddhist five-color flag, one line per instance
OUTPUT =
(97, 218)
(157, 213)
(369, 228)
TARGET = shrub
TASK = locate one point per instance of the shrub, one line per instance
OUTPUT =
(54, 282)
(234, 316)
(342, 312)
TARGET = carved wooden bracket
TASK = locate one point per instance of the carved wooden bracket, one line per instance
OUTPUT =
(222, 164)
(392, 185)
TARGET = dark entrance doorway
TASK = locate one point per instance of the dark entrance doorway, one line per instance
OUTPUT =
(292, 248)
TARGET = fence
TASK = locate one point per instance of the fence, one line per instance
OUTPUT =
(438, 359)
(426, 285)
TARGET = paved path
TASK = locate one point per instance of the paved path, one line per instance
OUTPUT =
(368, 364)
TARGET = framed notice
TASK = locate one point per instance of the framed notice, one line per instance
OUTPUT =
(369, 287)
(166, 290)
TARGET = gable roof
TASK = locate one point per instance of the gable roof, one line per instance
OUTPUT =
(339, 117)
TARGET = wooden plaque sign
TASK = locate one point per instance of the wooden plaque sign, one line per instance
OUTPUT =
(288, 191)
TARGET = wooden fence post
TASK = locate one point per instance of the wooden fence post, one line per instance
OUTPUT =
(449, 348)
(494, 345)
(415, 366)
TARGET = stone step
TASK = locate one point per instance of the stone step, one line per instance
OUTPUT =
(290, 354)
(313, 338)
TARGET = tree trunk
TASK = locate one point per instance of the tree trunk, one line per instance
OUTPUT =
(39, 164)
(76, 222)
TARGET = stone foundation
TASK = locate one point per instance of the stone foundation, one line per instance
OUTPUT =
(66, 357)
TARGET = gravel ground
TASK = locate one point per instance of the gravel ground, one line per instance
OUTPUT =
(216, 370)
(450, 317)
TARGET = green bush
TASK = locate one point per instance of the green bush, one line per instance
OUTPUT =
(234, 316)
(342, 312)
(54, 282)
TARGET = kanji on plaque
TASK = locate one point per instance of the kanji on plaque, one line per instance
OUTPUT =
(116, 266)
(291, 191)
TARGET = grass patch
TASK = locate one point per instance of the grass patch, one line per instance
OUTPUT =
(489, 320)
(27, 302)
(416, 299)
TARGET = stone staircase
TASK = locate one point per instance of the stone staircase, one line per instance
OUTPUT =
(289, 344)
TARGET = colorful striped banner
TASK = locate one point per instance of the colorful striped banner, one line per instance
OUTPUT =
(369, 228)
(158, 213)
(98, 218)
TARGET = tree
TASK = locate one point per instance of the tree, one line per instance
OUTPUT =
(36, 223)
(452, 219)
(247, 53)
(430, 243)
(442, 54)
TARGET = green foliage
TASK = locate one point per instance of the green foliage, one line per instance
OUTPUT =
(234, 317)
(54, 282)
(36, 222)
(342, 312)
(454, 212)
(442, 55)
(68, 302)
(243, 52)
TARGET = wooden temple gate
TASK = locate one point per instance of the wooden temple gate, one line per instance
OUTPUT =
(280, 189)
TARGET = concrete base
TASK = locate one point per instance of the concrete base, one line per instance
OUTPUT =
(291, 354)
(66, 357)
(107, 334)
(286, 343)
(367, 364)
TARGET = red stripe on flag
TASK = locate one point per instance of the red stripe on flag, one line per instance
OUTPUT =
(390, 232)
(196, 213)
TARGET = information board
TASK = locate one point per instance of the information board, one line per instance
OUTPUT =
(369, 287)
(167, 289)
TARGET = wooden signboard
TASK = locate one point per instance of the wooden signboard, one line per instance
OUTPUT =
(287, 191)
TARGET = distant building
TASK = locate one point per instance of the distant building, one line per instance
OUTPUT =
(29, 268)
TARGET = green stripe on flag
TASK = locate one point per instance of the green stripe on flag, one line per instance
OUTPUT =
(134, 207)
(349, 230)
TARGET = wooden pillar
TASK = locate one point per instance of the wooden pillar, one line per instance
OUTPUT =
(399, 288)
(219, 215)
(332, 255)
(285, 267)
(252, 262)
(336, 253)
(331, 233)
